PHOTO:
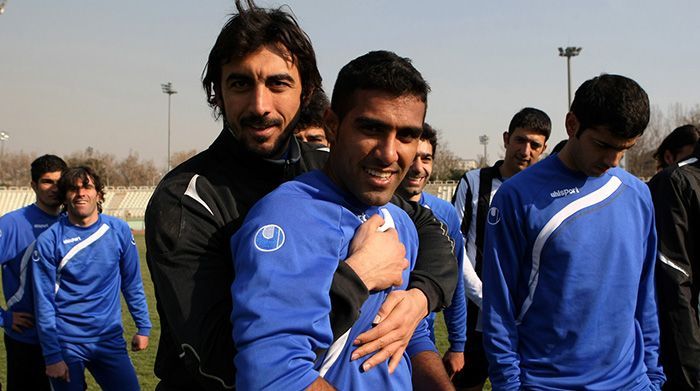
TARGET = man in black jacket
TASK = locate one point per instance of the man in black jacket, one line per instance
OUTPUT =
(676, 195)
(201, 203)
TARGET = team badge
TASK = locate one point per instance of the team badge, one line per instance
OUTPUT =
(494, 216)
(269, 238)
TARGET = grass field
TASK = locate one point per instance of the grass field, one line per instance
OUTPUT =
(143, 361)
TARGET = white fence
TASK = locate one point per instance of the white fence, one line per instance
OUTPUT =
(129, 203)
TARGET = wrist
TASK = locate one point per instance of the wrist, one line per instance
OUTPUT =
(419, 297)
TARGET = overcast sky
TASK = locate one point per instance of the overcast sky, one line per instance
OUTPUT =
(75, 73)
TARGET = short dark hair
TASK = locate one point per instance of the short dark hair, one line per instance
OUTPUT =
(380, 71)
(80, 173)
(247, 31)
(531, 118)
(312, 114)
(46, 163)
(675, 141)
(430, 135)
(614, 101)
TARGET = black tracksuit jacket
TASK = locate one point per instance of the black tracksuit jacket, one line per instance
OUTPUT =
(190, 219)
(676, 195)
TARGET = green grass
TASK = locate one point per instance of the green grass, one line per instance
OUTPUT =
(143, 361)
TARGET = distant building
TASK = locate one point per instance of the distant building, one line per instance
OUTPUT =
(467, 164)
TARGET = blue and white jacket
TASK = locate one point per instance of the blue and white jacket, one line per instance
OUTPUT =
(18, 232)
(285, 255)
(569, 282)
(78, 273)
(456, 312)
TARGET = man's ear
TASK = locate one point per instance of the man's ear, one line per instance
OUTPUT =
(34, 186)
(506, 139)
(332, 122)
(571, 124)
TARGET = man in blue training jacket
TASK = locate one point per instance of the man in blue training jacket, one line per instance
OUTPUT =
(411, 188)
(569, 258)
(80, 264)
(18, 232)
(287, 250)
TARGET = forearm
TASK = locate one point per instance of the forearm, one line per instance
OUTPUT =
(347, 293)
(435, 271)
(320, 385)
(429, 372)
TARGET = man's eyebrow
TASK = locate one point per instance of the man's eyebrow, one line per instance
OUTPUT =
(367, 122)
(282, 76)
(237, 76)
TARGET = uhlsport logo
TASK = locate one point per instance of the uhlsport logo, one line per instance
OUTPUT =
(494, 216)
(35, 256)
(564, 192)
(269, 238)
(71, 240)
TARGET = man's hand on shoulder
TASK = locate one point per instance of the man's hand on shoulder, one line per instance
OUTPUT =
(378, 258)
(396, 322)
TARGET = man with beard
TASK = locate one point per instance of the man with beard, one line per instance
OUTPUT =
(261, 72)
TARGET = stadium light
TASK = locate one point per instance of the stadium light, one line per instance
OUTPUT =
(168, 89)
(569, 52)
(4, 136)
(484, 140)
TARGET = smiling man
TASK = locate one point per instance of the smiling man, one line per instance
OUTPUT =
(524, 141)
(80, 265)
(412, 189)
(18, 231)
(285, 258)
(569, 258)
(260, 75)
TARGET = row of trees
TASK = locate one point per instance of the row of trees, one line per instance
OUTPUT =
(639, 160)
(129, 171)
(134, 171)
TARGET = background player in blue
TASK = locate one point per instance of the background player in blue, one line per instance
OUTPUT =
(524, 142)
(80, 265)
(569, 258)
(18, 232)
(285, 257)
(411, 188)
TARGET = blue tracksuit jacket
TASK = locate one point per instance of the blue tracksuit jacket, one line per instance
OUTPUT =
(456, 313)
(18, 232)
(284, 256)
(569, 282)
(78, 273)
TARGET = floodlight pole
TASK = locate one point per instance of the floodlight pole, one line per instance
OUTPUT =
(569, 52)
(484, 140)
(168, 89)
(4, 136)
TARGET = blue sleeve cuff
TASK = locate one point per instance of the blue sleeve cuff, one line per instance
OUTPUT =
(146, 331)
(457, 346)
(424, 345)
(6, 318)
(53, 358)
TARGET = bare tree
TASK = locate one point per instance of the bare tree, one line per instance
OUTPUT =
(446, 165)
(135, 172)
(179, 157)
(15, 167)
